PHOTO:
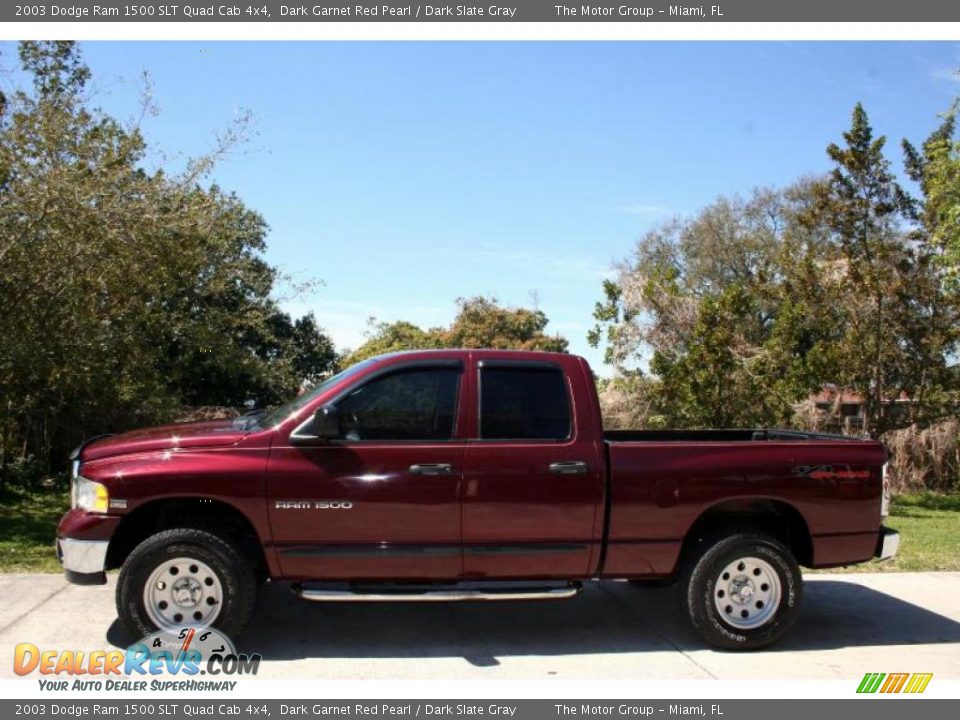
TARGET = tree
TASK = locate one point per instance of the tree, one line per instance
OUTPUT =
(936, 240)
(385, 337)
(745, 309)
(480, 323)
(126, 293)
(935, 167)
(711, 303)
(311, 351)
(483, 323)
(719, 379)
(896, 327)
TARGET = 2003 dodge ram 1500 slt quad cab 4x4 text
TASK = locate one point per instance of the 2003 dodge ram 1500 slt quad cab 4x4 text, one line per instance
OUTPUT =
(466, 475)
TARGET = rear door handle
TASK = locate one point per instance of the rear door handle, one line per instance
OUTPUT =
(569, 467)
(432, 469)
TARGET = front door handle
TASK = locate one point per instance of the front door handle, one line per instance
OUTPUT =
(569, 467)
(432, 469)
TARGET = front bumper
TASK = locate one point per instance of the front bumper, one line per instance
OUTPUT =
(82, 542)
(888, 543)
(84, 561)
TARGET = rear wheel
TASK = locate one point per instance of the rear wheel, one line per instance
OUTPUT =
(743, 591)
(185, 577)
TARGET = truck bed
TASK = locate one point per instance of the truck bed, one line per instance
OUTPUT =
(662, 481)
(615, 436)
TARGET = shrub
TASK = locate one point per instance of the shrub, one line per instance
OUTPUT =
(924, 458)
(22, 472)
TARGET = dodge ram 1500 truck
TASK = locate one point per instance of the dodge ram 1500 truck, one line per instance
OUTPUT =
(466, 475)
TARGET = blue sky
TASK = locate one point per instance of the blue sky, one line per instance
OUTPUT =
(407, 174)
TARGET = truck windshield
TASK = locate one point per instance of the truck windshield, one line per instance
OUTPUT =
(281, 413)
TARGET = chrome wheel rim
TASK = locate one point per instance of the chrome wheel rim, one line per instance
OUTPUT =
(182, 591)
(747, 593)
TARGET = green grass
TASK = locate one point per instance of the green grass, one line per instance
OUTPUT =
(929, 526)
(28, 526)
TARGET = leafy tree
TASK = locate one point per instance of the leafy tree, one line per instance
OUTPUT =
(480, 323)
(746, 308)
(935, 167)
(936, 242)
(711, 303)
(125, 292)
(311, 351)
(392, 337)
(719, 379)
(483, 323)
(896, 329)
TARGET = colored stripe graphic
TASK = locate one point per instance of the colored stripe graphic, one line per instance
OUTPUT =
(918, 683)
(894, 682)
(870, 682)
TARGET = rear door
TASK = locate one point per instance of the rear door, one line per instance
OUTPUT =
(533, 474)
(383, 501)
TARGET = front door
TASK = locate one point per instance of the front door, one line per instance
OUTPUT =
(382, 502)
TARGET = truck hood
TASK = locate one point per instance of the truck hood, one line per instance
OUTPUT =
(207, 433)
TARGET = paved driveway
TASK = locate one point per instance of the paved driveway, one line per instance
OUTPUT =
(850, 624)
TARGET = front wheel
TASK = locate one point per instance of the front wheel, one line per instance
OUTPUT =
(185, 577)
(743, 591)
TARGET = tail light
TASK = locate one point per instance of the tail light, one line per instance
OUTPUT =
(885, 493)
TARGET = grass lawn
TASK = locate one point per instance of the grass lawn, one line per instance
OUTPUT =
(929, 525)
(28, 525)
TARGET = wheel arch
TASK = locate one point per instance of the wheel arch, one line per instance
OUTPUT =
(203, 513)
(772, 516)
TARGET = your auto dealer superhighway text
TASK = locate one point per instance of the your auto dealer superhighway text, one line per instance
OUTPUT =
(420, 710)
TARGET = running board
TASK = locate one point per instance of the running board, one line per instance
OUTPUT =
(460, 592)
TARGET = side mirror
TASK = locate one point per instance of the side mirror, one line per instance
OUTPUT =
(324, 424)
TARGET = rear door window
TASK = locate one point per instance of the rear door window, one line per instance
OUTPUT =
(524, 403)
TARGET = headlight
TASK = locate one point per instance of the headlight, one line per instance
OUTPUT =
(89, 495)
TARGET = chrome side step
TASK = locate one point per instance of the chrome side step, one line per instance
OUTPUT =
(460, 592)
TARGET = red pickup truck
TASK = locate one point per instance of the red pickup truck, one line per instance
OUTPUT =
(466, 475)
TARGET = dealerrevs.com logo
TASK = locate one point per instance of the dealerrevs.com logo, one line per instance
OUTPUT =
(162, 657)
(912, 683)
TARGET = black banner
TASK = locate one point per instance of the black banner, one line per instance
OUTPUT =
(504, 11)
(219, 709)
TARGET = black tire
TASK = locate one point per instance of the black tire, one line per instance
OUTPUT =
(706, 570)
(235, 574)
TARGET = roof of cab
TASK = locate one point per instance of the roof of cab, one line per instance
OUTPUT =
(453, 352)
